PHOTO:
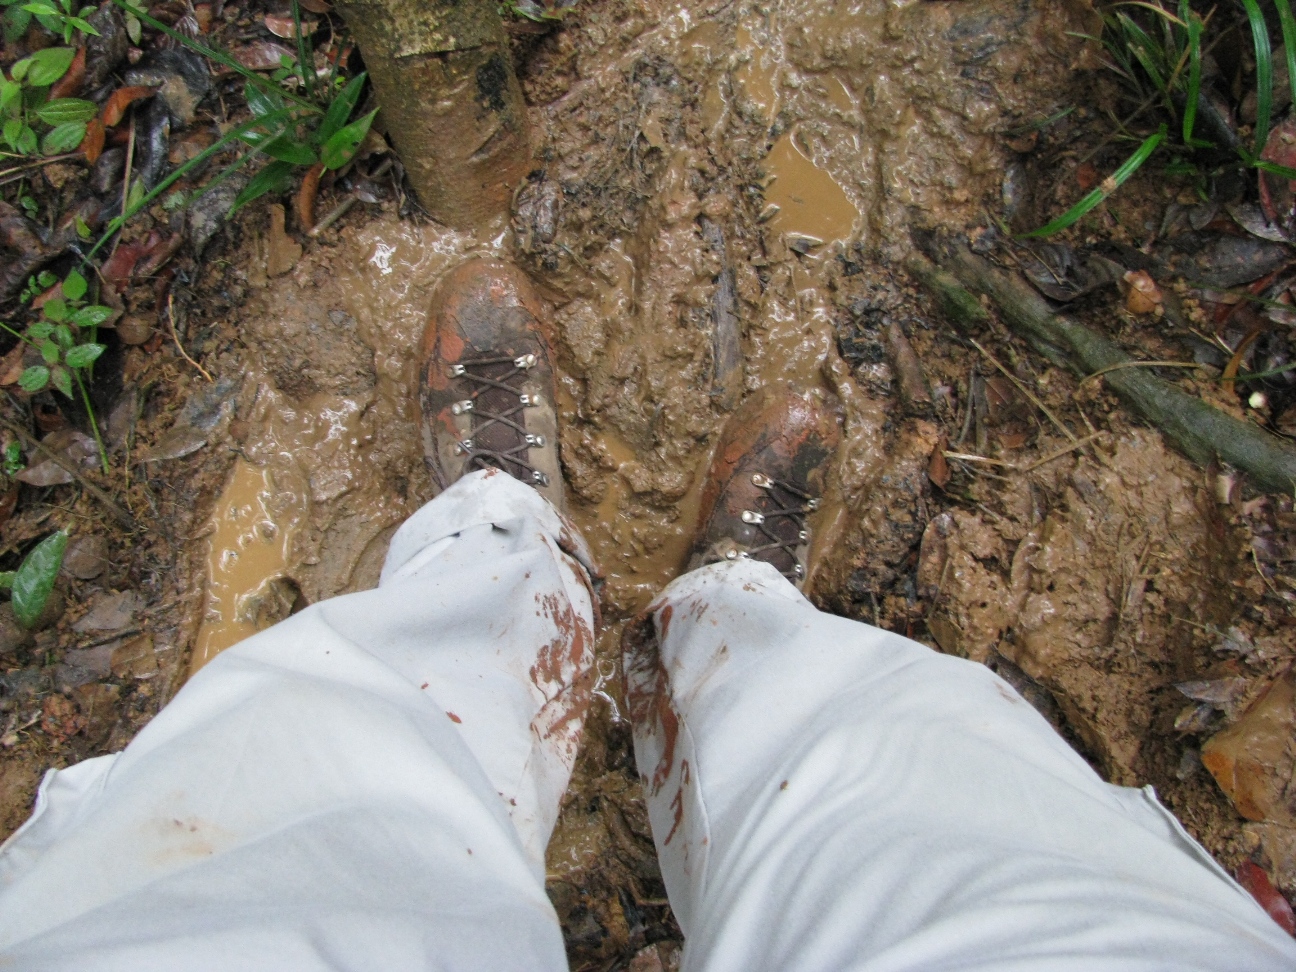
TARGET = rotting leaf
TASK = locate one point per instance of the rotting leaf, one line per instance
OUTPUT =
(114, 108)
(938, 468)
(1253, 877)
(34, 579)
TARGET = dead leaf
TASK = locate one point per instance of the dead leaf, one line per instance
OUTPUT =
(938, 469)
(114, 108)
(8, 503)
(203, 14)
(317, 6)
(92, 145)
(306, 197)
(1086, 176)
(72, 445)
(1253, 877)
(11, 365)
(262, 55)
(69, 86)
(285, 28)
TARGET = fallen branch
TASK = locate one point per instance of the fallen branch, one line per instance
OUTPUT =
(1203, 432)
(68, 466)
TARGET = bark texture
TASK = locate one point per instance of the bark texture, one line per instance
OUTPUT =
(450, 100)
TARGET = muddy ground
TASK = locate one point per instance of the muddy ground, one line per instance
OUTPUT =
(722, 199)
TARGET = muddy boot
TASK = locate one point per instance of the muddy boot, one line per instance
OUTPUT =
(766, 480)
(487, 380)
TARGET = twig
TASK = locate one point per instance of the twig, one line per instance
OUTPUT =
(109, 639)
(118, 514)
(1141, 364)
(1025, 391)
(1059, 453)
(176, 338)
(968, 457)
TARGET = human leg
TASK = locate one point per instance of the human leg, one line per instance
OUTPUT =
(368, 785)
(826, 795)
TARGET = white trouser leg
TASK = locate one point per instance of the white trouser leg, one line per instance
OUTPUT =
(369, 785)
(825, 795)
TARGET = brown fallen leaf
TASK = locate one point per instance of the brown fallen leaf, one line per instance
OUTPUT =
(120, 267)
(285, 28)
(261, 55)
(92, 145)
(202, 13)
(1253, 877)
(69, 86)
(8, 503)
(938, 468)
(306, 197)
(1086, 176)
(11, 365)
(114, 108)
(317, 6)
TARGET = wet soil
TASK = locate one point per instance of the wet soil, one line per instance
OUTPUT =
(721, 199)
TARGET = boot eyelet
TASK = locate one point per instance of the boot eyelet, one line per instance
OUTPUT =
(751, 516)
(803, 535)
(761, 481)
(812, 504)
(525, 361)
(539, 478)
(799, 570)
(458, 408)
(456, 371)
(535, 441)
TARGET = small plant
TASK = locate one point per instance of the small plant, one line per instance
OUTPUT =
(11, 460)
(61, 17)
(65, 337)
(1160, 63)
(32, 583)
(25, 105)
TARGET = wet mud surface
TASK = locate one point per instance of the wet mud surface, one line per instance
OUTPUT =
(721, 199)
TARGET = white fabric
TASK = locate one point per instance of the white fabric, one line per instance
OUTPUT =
(825, 795)
(336, 792)
(370, 785)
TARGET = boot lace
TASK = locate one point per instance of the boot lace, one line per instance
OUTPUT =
(487, 378)
(790, 506)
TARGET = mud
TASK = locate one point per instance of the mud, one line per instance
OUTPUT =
(719, 196)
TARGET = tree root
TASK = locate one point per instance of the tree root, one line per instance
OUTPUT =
(1200, 430)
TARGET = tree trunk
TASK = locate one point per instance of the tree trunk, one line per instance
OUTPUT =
(450, 101)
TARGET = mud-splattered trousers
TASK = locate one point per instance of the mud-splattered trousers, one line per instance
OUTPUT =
(370, 786)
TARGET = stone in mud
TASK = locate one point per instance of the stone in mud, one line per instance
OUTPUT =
(1253, 760)
(111, 613)
(86, 557)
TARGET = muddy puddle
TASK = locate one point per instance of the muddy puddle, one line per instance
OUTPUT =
(719, 195)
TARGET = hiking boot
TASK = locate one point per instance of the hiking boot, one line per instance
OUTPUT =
(766, 480)
(487, 381)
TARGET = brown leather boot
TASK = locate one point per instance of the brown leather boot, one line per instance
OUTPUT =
(766, 480)
(487, 381)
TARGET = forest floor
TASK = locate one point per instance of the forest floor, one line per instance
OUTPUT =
(723, 199)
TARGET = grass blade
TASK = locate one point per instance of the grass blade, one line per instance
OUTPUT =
(1264, 72)
(233, 135)
(306, 68)
(1194, 71)
(1108, 186)
(1289, 41)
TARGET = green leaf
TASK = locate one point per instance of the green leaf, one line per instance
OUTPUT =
(11, 131)
(46, 279)
(33, 379)
(7, 578)
(63, 336)
(50, 352)
(340, 148)
(290, 150)
(1118, 179)
(42, 9)
(134, 29)
(10, 97)
(17, 21)
(20, 68)
(55, 309)
(261, 101)
(1264, 72)
(135, 198)
(26, 141)
(273, 178)
(49, 65)
(82, 228)
(340, 110)
(92, 316)
(34, 579)
(63, 138)
(84, 355)
(63, 110)
(83, 25)
(74, 286)
(62, 380)
(40, 330)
